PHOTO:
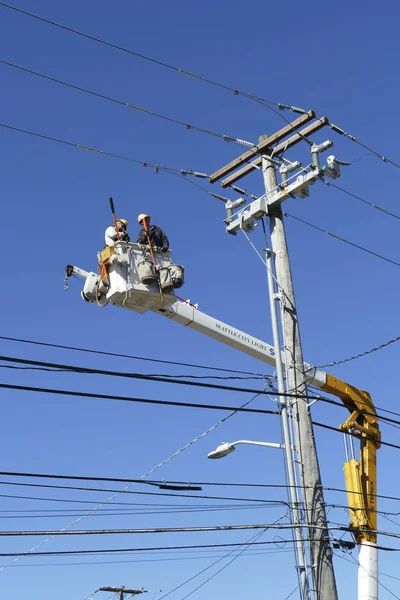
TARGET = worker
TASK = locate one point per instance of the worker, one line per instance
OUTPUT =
(111, 233)
(110, 238)
(158, 239)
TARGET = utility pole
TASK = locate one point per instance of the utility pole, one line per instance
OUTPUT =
(293, 494)
(261, 156)
(121, 591)
(321, 553)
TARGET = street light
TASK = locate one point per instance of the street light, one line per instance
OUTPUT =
(228, 447)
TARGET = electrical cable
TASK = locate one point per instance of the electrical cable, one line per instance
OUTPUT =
(129, 375)
(149, 560)
(180, 173)
(129, 356)
(193, 529)
(370, 574)
(152, 549)
(252, 539)
(127, 487)
(235, 91)
(151, 375)
(263, 101)
(176, 403)
(356, 141)
(371, 204)
(187, 126)
(59, 367)
(361, 355)
(127, 491)
(389, 260)
(134, 400)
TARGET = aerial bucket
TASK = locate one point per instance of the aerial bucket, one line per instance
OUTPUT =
(166, 282)
(146, 272)
(177, 274)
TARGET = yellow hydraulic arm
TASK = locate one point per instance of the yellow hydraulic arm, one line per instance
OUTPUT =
(360, 475)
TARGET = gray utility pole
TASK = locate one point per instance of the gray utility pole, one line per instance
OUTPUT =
(270, 206)
(321, 553)
(121, 591)
(296, 518)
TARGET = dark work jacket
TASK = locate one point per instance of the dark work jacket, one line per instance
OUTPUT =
(157, 237)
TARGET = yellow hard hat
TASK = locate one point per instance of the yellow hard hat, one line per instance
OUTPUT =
(143, 216)
(124, 221)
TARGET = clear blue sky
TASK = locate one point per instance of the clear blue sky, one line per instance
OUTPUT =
(339, 59)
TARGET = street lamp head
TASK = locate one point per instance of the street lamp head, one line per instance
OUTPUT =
(223, 450)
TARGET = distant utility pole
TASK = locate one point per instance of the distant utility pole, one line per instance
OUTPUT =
(270, 205)
(121, 591)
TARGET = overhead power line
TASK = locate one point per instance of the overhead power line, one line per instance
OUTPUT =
(361, 354)
(153, 549)
(352, 138)
(181, 173)
(136, 493)
(150, 530)
(389, 260)
(59, 367)
(269, 104)
(133, 399)
(129, 356)
(188, 126)
(176, 403)
(363, 200)
(161, 63)
(143, 376)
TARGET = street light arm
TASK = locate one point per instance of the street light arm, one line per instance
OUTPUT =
(267, 444)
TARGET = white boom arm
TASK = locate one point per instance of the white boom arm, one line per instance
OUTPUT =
(188, 315)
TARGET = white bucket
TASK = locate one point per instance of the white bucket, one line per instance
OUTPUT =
(165, 279)
(178, 275)
(145, 272)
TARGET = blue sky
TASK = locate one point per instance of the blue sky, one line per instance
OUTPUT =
(340, 60)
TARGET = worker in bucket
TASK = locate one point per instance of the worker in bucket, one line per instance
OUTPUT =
(111, 235)
(158, 239)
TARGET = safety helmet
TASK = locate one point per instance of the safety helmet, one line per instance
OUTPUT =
(143, 216)
(124, 221)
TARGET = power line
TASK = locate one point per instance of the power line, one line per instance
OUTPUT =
(357, 141)
(389, 260)
(172, 483)
(151, 375)
(252, 539)
(263, 101)
(363, 200)
(195, 529)
(143, 560)
(357, 562)
(181, 173)
(161, 63)
(57, 367)
(146, 377)
(127, 491)
(187, 126)
(207, 367)
(361, 354)
(237, 555)
(134, 400)
(152, 549)
(129, 356)
(177, 403)
(156, 168)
